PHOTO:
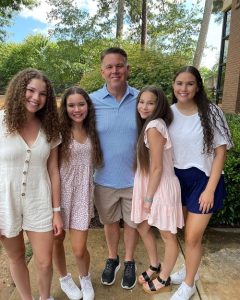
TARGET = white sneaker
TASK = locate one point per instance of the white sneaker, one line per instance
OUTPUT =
(179, 276)
(70, 288)
(184, 292)
(51, 298)
(87, 288)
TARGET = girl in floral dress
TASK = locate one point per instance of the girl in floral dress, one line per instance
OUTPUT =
(80, 153)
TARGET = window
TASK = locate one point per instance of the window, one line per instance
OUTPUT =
(223, 55)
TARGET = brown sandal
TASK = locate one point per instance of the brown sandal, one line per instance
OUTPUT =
(146, 277)
(152, 289)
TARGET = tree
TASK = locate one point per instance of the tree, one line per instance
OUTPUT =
(203, 33)
(217, 10)
(171, 24)
(120, 18)
(144, 24)
(75, 24)
(7, 9)
(71, 23)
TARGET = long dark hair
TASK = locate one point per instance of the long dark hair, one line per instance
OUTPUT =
(89, 124)
(209, 113)
(162, 111)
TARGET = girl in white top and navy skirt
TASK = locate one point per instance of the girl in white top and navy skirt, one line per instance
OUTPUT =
(200, 138)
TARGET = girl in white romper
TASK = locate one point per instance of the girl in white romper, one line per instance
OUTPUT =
(29, 184)
(80, 153)
(156, 192)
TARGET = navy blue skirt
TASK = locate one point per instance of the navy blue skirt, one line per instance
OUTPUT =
(193, 182)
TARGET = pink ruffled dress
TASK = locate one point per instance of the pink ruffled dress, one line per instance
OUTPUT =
(166, 210)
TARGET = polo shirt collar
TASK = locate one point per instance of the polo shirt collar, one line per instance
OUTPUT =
(106, 92)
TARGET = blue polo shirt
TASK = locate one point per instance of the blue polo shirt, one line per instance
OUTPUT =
(117, 130)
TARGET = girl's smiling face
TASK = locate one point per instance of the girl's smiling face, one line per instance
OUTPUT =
(146, 104)
(185, 87)
(36, 95)
(77, 108)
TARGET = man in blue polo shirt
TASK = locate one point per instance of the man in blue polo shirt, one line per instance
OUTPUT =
(115, 105)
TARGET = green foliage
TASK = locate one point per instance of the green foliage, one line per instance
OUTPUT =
(171, 25)
(65, 62)
(152, 67)
(7, 7)
(146, 67)
(208, 73)
(217, 10)
(61, 61)
(230, 214)
(5, 51)
(75, 24)
(4, 22)
(210, 80)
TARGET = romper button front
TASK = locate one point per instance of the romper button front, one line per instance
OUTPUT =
(24, 172)
(24, 183)
(23, 194)
(28, 150)
(27, 161)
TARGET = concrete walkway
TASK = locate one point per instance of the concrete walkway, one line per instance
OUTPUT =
(219, 273)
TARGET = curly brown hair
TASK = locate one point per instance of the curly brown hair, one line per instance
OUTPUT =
(162, 111)
(89, 124)
(209, 113)
(14, 106)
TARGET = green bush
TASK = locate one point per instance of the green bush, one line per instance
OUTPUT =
(61, 60)
(230, 214)
(149, 67)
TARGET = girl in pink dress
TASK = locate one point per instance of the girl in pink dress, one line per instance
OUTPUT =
(80, 153)
(156, 193)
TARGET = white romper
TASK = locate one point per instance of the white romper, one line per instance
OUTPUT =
(25, 187)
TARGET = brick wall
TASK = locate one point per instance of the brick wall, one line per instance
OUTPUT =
(231, 91)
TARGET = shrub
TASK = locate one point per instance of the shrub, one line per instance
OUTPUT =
(149, 67)
(230, 214)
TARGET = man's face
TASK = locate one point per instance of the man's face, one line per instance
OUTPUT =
(114, 70)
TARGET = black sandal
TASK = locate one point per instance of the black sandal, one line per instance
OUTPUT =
(152, 289)
(148, 278)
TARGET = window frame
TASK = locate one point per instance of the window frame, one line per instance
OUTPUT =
(222, 61)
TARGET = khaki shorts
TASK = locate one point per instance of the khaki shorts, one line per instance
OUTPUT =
(113, 204)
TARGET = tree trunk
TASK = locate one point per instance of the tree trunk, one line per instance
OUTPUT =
(144, 25)
(120, 16)
(203, 33)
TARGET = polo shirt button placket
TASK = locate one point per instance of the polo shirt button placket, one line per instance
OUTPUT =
(25, 172)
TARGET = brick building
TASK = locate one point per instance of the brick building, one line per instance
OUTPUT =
(228, 84)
